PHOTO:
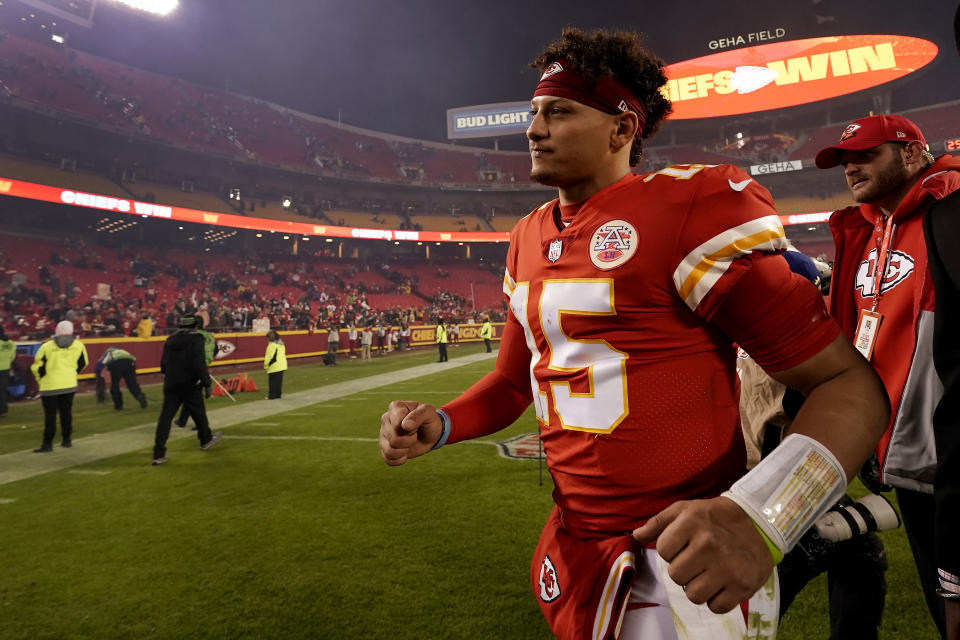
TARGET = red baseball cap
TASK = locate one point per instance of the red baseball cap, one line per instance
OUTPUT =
(867, 133)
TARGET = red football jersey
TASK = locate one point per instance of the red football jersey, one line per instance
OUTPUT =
(634, 385)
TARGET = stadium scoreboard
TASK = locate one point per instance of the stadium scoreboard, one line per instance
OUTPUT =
(755, 78)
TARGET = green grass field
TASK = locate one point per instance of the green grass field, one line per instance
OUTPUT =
(293, 527)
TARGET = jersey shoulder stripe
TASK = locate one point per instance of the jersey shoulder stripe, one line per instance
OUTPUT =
(700, 269)
(509, 284)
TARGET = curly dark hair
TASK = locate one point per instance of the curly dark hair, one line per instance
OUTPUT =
(620, 55)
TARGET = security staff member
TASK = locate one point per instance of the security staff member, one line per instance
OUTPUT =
(8, 353)
(486, 332)
(209, 350)
(184, 372)
(122, 366)
(55, 366)
(442, 340)
(275, 363)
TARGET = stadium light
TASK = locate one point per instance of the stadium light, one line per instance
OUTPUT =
(156, 7)
(286, 202)
(58, 39)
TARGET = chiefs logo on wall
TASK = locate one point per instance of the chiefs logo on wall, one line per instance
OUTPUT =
(549, 582)
(899, 268)
(224, 349)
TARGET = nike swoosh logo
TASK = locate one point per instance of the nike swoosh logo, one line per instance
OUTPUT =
(739, 186)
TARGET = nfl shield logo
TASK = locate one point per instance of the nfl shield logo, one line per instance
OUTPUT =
(555, 248)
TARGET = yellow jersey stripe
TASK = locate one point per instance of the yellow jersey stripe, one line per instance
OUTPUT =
(705, 265)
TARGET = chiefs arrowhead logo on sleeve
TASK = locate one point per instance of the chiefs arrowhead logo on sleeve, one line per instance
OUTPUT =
(612, 244)
(549, 583)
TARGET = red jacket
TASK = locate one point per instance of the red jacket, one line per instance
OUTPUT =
(906, 451)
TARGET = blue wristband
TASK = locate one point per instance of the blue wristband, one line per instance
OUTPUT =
(446, 430)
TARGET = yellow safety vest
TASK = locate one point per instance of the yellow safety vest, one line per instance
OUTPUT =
(276, 357)
(60, 366)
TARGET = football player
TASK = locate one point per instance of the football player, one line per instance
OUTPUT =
(626, 294)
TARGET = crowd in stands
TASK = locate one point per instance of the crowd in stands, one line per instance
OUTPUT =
(107, 292)
(217, 122)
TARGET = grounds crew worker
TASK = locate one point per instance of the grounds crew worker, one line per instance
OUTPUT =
(275, 363)
(184, 372)
(486, 332)
(8, 353)
(442, 340)
(122, 366)
(55, 366)
(209, 350)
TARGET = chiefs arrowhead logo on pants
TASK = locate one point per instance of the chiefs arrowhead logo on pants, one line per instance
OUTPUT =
(549, 583)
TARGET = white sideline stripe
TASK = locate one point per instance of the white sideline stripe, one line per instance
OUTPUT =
(7, 500)
(88, 472)
(421, 393)
(26, 464)
(335, 439)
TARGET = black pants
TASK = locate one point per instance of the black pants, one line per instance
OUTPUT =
(917, 511)
(4, 382)
(275, 381)
(192, 400)
(856, 583)
(332, 348)
(443, 351)
(125, 370)
(486, 341)
(52, 405)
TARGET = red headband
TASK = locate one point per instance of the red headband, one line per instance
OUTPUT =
(609, 96)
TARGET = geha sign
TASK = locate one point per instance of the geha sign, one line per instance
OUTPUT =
(786, 74)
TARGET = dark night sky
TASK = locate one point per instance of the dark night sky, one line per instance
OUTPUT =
(396, 66)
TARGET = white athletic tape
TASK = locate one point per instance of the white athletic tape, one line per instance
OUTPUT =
(790, 489)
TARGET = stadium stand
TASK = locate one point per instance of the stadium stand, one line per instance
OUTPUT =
(110, 94)
(107, 289)
(504, 222)
(449, 222)
(365, 219)
(42, 173)
(153, 192)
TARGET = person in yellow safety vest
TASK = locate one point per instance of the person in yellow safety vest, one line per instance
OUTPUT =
(275, 363)
(442, 340)
(8, 353)
(55, 366)
(486, 332)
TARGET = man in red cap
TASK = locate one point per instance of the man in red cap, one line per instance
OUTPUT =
(882, 296)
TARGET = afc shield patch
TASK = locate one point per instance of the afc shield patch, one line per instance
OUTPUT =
(612, 244)
(549, 581)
